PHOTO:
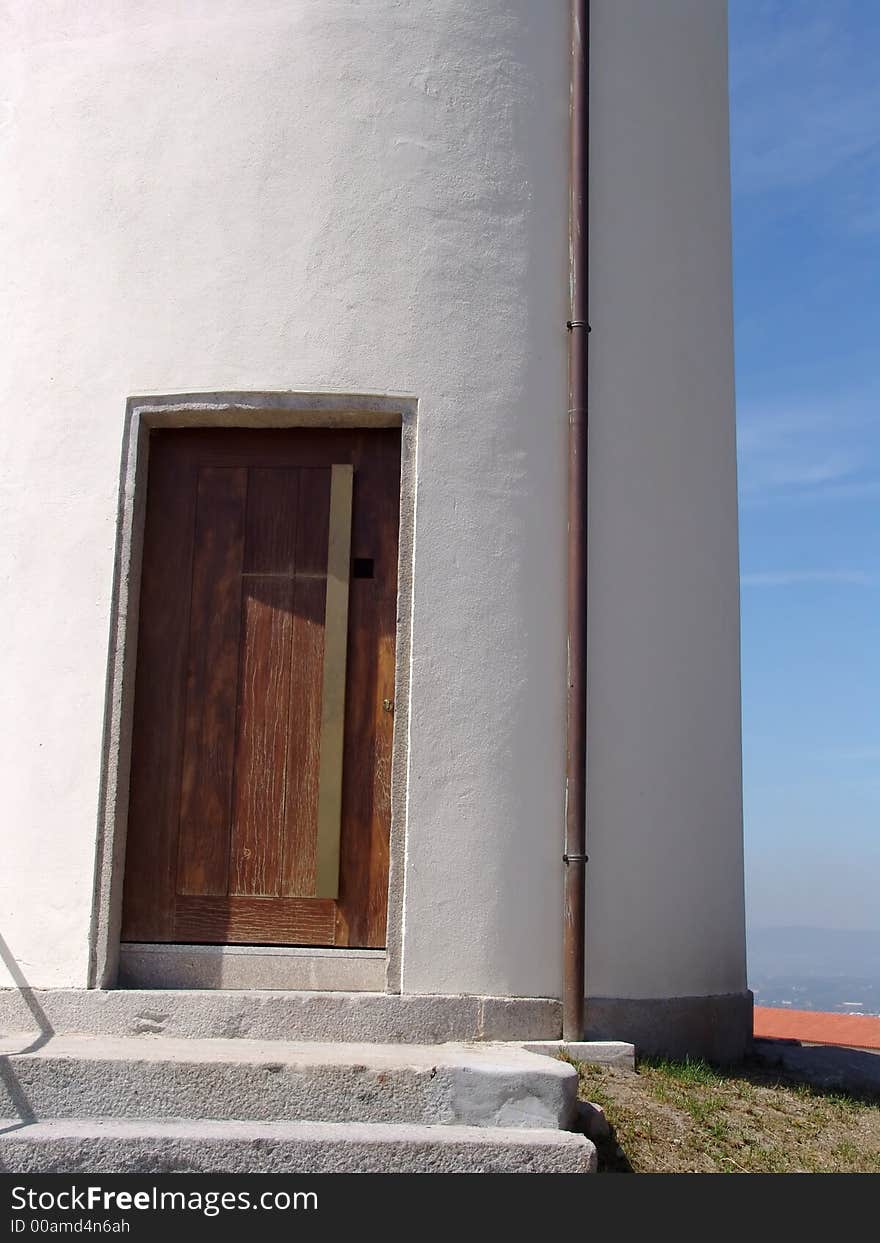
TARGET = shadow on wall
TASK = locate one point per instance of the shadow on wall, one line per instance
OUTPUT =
(15, 1108)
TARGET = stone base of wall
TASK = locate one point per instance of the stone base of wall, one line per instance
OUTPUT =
(717, 1028)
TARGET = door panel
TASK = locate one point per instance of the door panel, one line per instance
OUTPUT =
(212, 682)
(253, 757)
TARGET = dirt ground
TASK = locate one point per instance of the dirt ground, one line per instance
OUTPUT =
(669, 1117)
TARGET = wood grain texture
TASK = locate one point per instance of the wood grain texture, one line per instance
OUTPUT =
(272, 513)
(160, 693)
(254, 921)
(264, 686)
(333, 684)
(261, 747)
(212, 682)
(301, 804)
(366, 813)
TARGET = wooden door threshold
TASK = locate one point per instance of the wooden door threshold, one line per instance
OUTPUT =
(150, 965)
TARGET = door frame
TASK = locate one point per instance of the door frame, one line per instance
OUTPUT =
(245, 410)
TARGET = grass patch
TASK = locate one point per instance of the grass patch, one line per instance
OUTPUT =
(689, 1117)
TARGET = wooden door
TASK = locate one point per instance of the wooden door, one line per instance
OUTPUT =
(259, 810)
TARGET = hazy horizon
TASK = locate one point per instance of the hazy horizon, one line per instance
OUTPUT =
(812, 968)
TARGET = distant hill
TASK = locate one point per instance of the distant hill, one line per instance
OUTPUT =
(816, 969)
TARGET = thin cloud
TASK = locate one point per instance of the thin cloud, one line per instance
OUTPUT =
(808, 472)
(790, 454)
(797, 578)
(806, 97)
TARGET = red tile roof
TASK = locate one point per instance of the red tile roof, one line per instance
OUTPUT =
(857, 1031)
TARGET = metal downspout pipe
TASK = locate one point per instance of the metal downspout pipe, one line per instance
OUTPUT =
(575, 858)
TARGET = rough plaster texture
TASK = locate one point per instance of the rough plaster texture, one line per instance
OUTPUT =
(143, 1077)
(215, 1013)
(236, 196)
(103, 1146)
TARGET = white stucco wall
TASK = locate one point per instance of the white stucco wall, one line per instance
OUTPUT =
(367, 197)
(664, 788)
(371, 197)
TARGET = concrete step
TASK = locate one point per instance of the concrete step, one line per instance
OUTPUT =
(101, 1145)
(278, 1015)
(158, 1077)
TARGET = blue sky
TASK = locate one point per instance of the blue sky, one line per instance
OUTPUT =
(805, 139)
